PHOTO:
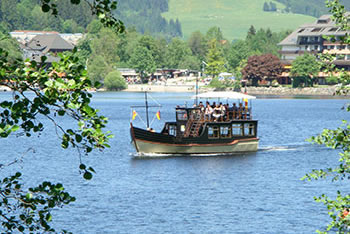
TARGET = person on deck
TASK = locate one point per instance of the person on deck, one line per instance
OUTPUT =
(217, 112)
(208, 112)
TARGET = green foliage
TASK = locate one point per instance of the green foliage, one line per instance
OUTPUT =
(33, 206)
(142, 61)
(309, 7)
(337, 139)
(215, 60)
(232, 17)
(58, 90)
(98, 69)
(332, 80)
(304, 69)
(177, 51)
(115, 81)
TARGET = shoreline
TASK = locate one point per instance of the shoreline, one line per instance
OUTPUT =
(255, 91)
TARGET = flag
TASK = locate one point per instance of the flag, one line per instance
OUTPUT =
(158, 115)
(134, 114)
(245, 102)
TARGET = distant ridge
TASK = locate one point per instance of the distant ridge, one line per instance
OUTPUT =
(234, 17)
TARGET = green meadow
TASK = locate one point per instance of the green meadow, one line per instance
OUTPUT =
(234, 17)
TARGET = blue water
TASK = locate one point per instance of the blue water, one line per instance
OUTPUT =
(253, 193)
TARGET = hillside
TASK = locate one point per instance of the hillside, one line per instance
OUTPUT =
(310, 7)
(234, 17)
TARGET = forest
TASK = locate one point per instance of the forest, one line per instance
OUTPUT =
(314, 8)
(145, 16)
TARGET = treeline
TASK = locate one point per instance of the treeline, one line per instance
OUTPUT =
(269, 6)
(104, 51)
(144, 15)
(27, 15)
(314, 8)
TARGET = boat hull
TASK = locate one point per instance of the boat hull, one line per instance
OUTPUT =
(236, 146)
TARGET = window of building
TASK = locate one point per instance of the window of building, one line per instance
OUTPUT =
(249, 129)
(213, 132)
(225, 131)
(331, 47)
(333, 29)
(237, 129)
(316, 47)
(316, 29)
(342, 47)
(348, 57)
(301, 30)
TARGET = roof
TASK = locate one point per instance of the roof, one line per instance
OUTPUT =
(225, 95)
(48, 42)
(323, 26)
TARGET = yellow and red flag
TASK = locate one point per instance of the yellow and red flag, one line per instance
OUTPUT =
(134, 114)
(245, 103)
(158, 115)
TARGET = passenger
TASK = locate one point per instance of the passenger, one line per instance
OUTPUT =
(217, 112)
(201, 106)
(240, 110)
(214, 105)
(222, 110)
(234, 110)
(208, 112)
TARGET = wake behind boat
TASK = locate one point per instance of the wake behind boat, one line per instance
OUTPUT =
(203, 129)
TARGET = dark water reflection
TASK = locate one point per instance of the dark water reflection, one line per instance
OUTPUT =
(252, 193)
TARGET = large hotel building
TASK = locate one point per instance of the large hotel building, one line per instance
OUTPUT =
(311, 38)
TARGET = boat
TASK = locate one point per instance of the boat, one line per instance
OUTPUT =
(193, 132)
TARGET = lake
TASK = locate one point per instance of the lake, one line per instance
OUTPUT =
(251, 193)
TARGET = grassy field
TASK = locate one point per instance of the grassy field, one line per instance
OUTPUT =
(234, 17)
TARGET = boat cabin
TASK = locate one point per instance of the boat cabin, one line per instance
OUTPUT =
(194, 123)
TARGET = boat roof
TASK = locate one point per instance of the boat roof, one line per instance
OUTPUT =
(226, 95)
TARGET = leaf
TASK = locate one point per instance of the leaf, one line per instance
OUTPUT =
(45, 8)
(87, 175)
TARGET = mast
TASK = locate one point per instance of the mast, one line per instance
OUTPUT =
(146, 104)
(197, 91)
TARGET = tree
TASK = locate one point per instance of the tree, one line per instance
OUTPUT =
(215, 60)
(336, 139)
(266, 7)
(57, 90)
(198, 45)
(262, 67)
(142, 61)
(115, 81)
(304, 69)
(251, 32)
(238, 51)
(177, 51)
(97, 69)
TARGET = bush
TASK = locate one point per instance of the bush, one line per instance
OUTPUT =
(332, 80)
(115, 81)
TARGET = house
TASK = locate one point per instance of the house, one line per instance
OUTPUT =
(46, 45)
(36, 44)
(315, 38)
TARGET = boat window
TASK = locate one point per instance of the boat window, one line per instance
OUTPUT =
(213, 132)
(172, 130)
(237, 129)
(225, 131)
(181, 115)
(249, 129)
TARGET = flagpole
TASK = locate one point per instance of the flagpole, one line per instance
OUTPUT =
(197, 91)
(146, 102)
